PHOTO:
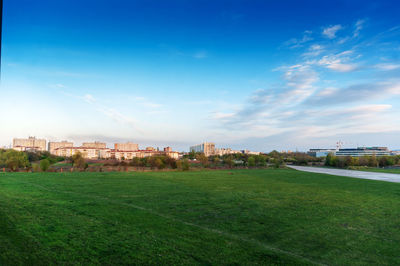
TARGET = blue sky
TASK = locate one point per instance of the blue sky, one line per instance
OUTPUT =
(261, 75)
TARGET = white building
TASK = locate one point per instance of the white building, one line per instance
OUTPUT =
(208, 148)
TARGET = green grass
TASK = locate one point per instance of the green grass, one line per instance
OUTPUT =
(379, 170)
(242, 217)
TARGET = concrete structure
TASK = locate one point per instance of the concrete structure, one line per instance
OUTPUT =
(29, 144)
(321, 152)
(225, 151)
(61, 144)
(208, 148)
(96, 144)
(251, 152)
(395, 152)
(129, 146)
(87, 153)
(364, 151)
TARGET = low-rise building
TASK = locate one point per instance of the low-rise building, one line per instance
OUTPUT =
(364, 151)
(321, 152)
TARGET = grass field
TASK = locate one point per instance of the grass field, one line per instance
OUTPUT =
(204, 217)
(380, 170)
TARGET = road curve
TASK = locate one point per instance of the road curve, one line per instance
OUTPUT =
(350, 173)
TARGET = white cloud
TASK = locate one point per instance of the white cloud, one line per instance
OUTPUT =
(89, 98)
(295, 43)
(387, 66)
(330, 32)
(358, 27)
(339, 62)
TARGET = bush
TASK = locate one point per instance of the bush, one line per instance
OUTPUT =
(44, 165)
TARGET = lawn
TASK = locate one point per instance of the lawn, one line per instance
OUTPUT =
(379, 170)
(202, 217)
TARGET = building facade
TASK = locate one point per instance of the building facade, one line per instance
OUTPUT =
(129, 146)
(364, 151)
(96, 144)
(31, 143)
(208, 148)
(321, 152)
(61, 144)
(87, 153)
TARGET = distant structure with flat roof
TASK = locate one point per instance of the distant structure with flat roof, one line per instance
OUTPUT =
(29, 144)
(208, 148)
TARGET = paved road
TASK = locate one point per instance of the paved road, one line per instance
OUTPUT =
(350, 173)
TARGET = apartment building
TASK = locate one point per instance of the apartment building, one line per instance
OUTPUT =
(96, 144)
(208, 148)
(29, 144)
(129, 146)
(87, 152)
(53, 145)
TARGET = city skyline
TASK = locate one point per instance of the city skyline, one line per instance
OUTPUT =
(179, 73)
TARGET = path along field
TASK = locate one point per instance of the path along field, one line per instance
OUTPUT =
(205, 217)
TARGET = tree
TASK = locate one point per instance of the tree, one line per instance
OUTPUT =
(228, 161)
(44, 165)
(192, 155)
(15, 159)
(78, 161)
(203, 159)
(262, 161)
(184, 164)
(372, 161)
(251, 161)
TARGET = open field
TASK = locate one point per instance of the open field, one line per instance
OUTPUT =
(379, 170)
(205, 217)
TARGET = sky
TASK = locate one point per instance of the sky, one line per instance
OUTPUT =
(258, 75)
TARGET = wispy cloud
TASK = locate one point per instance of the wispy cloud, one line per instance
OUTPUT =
(330, 32)
(295, 42)
(358, 27)
(307, 105)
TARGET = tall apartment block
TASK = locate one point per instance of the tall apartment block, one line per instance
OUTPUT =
(208, 148)
(31, 143)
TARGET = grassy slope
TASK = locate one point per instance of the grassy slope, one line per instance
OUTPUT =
(216, 217)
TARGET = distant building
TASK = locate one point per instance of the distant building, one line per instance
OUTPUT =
(225, 151)
(29, 144)
(87, 152)
(208, 148)
(251, 152)
(364, 151)
(61, 144)
(321, 152)
(167, 149)
(96, 144)
(129, 146)
(395, 152)
(150, 149)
